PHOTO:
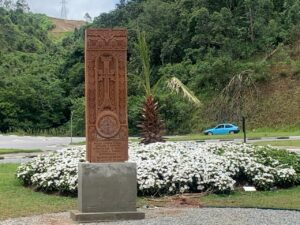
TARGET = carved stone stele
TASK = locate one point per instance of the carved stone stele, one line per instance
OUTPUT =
(106, 185)
(106, 95)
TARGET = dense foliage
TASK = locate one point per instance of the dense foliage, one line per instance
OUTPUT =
(170, 168)
(202, 42)
(31, 94)
(205, 43)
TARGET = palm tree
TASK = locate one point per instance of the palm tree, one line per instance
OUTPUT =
(151, 125)
(239, 91)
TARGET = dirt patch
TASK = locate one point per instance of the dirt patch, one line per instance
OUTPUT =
(184, 202)
(63, 26)
(178, 201)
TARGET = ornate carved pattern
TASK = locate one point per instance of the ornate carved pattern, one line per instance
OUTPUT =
(108, 124)
(107, 40)
(106, 95)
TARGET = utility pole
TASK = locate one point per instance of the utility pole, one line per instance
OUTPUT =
(244, 129)
(63, 11)
(87, 18)
(71, 127)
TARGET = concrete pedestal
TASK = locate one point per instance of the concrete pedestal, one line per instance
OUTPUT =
(106, 191)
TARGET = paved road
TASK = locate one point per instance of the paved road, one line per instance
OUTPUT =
(55, 143)
(30, 142)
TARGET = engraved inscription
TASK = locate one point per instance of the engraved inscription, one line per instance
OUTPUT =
(109, 151)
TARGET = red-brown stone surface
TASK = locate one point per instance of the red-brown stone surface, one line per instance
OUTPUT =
(106, 95)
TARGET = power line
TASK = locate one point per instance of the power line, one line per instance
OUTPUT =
(63, 11)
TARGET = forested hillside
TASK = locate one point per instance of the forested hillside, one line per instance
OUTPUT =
(31, 94)
(204, 43)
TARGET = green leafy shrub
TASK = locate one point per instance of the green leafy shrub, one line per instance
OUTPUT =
(268, 154)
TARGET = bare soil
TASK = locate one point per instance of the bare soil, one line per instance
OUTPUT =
(63, 26)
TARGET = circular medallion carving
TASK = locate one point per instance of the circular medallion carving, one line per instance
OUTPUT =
(108, 124)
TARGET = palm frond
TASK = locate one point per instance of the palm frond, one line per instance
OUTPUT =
(158, 82)
(144, 57)
(240, 82)
(176, 85)
(239, 90)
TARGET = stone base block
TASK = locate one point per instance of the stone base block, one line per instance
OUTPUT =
(106, 191)
(105, 216)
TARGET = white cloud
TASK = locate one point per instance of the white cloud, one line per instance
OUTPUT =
(76, 8)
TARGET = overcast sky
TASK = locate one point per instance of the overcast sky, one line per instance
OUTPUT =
(76, 8)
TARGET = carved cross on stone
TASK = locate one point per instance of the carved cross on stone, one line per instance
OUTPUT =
(107, 75)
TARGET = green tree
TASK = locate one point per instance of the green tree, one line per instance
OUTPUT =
(151, 125)
(22, 6)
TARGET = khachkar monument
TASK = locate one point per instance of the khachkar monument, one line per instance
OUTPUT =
(107, 185)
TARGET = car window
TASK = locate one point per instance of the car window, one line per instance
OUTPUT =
(228, 126)
(220, 126)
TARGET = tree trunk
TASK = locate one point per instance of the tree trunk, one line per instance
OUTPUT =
(150, 125)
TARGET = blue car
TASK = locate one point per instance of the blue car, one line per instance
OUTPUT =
(225, 128)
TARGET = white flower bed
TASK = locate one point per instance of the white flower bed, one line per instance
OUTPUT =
(167, 168)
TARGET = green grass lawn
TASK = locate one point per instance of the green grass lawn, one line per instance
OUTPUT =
(279, 199)
(12, 151)
(286, 143)
(78, 143)
(17, 201)
(191, 137)
(233, 136)
(284, 198)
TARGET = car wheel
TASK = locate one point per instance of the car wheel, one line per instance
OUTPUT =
(231, 132)
(209, 133)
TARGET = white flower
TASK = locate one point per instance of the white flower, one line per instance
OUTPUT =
(164, 168)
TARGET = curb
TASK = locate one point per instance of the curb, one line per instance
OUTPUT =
(263, 208)
(252, 139)
(248, 139)
(21, 157)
